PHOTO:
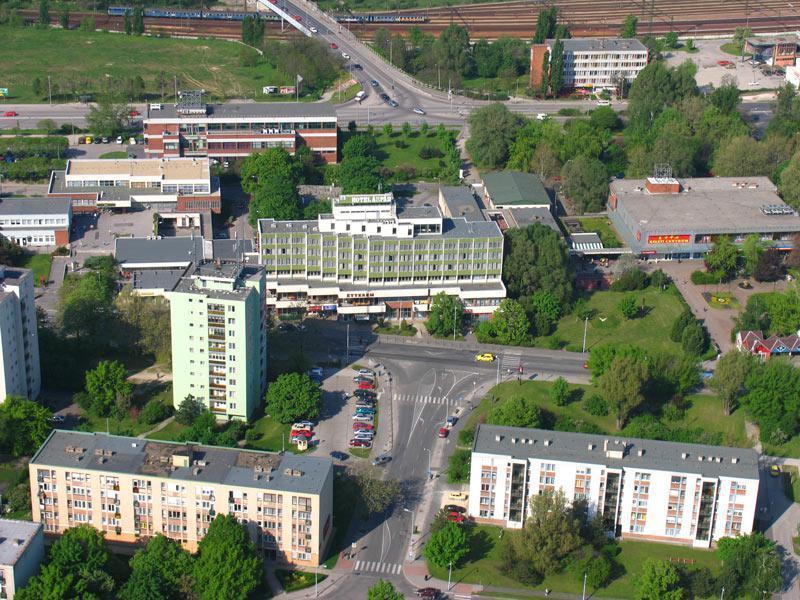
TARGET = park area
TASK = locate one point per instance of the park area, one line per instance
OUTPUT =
(81, 62)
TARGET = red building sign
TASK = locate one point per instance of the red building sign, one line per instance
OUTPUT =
(668, 239)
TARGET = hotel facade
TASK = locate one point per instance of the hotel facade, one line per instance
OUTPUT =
(688, 494)
(372, 257)
(132, 489)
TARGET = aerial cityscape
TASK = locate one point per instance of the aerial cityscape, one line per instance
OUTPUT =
(399, 299)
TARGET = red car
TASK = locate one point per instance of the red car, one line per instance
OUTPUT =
(360, 444)
(366, 385)
(443, 432)
(363, 426)
(455, 517)
(334, 46)
(10, 113)
(297, 18)
(304, 432)
(133, 113)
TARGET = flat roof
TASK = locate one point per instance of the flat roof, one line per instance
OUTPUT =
(156, 279)
(657, 455)
(58, 185)
(228, 466)
(602, 44)
(15, 537)
(451, 228)
(705, 204)
(461, 202)
(235, 272)
(35, 206)
(522, 217)
(231, 249)
(165, 250)
(506, 188)
(166, 168)
(258, 110)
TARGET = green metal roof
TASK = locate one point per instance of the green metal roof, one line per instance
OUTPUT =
(512, 187)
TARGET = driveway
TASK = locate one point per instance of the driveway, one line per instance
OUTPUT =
(782, 517)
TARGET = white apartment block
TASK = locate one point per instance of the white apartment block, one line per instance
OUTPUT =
(688, 494)
(19, 341)
(132, 489)
(21, 552)
(36, 221)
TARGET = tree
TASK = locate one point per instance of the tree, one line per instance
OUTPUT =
(629, 307)
(536, 259)
(127, 26)
(188, 410)
(752, 248)
(85, 308)
(159, 571)
(383, 590)
(560, 393)
(360, 175)
(227, 567)
(655, 88)
(751, 565)
(148, 323)
(784, 312)
(492, 130)
(517, 411)
(659, 580)
(681, 322)
(628, 29)
(44, 13)
(453, 52)
(271, 178)
(76, 568)
(671, 40)
(544, 82)
(622, 385)
(377, 494)
(293, 396)
(107, 118)
(773, 399)
(726, 98)
(108, 388)
(740, 35)
(138, 20)
(29, 421)
(694, 340)
(723, 257)
(741, 156)
(445, 316)
(557, 66)
(511, 323)
(544, 162)
(447, 545)
(597, 568)
(586, 183)
(729, 377)
(63, 16)
(789, 182)
(769, 266)
(549, 535)
(604, 117)
(406, 128)
(458, 466)
(545, 24)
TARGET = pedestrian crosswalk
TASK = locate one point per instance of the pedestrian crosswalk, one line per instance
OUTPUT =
(413, 398)
(373, 566)
(510, 361)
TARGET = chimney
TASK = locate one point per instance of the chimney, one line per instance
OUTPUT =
(547, 442)
(700, 458)
(498, 438)
(640, 452)
(513, 440)
(735, 460)
(684, 456)
(591, 447)
(605, 445)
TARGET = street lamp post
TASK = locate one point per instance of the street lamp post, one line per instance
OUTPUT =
(585, 325)
(455, 306)
(449, 574)
(429, 461)
(583, 595)
(316, 581)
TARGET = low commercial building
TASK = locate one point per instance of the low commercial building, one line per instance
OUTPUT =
(593, 63)
(132, 489)
(37, 222)
(756, 344)
(667, 218)
(175, 184)
(671, 492)
(514, 189)
(20, 373)
(219, 342)
(21, 553)
(237, 129)
(373, 257)
(776, 51)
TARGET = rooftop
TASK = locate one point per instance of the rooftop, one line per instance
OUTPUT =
(58, 185)
(708, 461)
(459, 201)
(451, 228)
(522, 217)
(234, 273)
(156, 279)
(179, 250)
(35, 206)
(15, 536)
(707, 204)
(101, 452)
(257, 110)
(165, 169)
(506, 188)
(602, 44)
(231, 249)
(13, 275)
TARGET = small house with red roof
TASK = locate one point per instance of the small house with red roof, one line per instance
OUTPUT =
(756, 344)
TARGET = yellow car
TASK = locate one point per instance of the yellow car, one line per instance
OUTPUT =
(485, 357)
(461, 496)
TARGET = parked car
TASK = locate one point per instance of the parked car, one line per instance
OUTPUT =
(366, 385)
(381, 460)
(334, 46)
(365, 404)
(393, 104)
(455, 508)
(358, 67)
(485, 357)
(363, 435)
(363, 410)
(10, 113)
(360, 378)
(428, 593)
(359, 426)
(456, 517)
(105, 140)
(133, 113)
(374, 83)
(443, 432)
(775, 470)
(360, 444)
(451, 421)
(119, 139)
(58, 419)
(419, 111)
(364, 418)
(339, 455)
(301, 433)
(303, 425)
(367, 372)
(365, 394)
(286, 327)
(458, 496)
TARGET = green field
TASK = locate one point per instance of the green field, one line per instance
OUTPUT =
(484, 566)
(170, 433)
(274, 436)
(602, 227)
(40, 265)
(130, 425)
(71, 58)
(400, 153)
(115, 154)
(607, 326)
(293, 581)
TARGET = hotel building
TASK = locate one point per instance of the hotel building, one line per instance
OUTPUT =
(219, 341)
(688, 494)
(132, 489)
(233, 130)
(374, 257)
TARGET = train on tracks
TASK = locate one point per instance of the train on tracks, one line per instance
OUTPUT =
(402, 18)
(214, 15)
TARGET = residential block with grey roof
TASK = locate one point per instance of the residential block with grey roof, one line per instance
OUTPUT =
(237, 129)
(20, 373)
(374, 256)
(21, 553)
(132, 489)
(690, 494)
(668, 218)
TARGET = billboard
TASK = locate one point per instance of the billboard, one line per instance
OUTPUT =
(668, 239)
(288, 89)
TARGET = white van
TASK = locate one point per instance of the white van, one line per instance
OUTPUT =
(361, 95)
(604, 103)
(156, 106)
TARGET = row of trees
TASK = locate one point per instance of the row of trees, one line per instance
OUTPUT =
(79, 565)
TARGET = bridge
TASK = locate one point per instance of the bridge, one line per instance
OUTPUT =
(289, 18)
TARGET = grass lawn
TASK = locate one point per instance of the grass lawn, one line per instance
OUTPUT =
(274, 436)
(409, 331)
(791, 482)
(115, 154)
(40, 265)
(602, 227)
(10, 471)
(608, 326)
(790, 448)
(345, 498)
(94, 56)
(483, 566)
(347, 94)
(170, 433)
(406, 158)
(732, 48)
(130, 425)
(495, 84)
(292, 581)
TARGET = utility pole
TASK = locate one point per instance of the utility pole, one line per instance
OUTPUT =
(348, 341)
(585, 325)
(49, 91)
(455, 306)
(583, 596)
(449, 575)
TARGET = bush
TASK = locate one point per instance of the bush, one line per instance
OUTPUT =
(635, 279)
(595, 406)
(251, 435)
(707, 278)
(458, 466)
(427, 152)
(659, 279)
(155, 411)
(559, 393)
(466, 436)
(681, 322)
(628, 307)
